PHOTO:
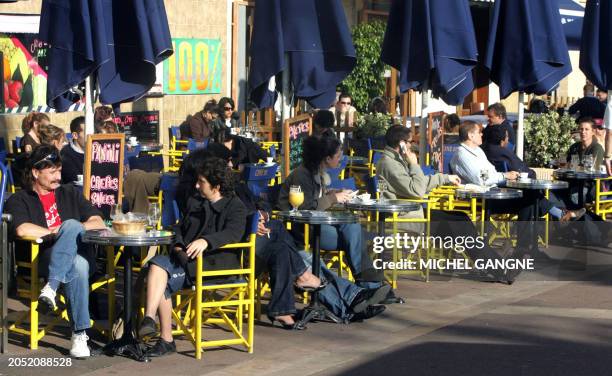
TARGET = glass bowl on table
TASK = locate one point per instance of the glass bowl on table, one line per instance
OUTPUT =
(129, 224)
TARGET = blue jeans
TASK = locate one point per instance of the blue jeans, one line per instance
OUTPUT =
(71, 269)
(349, 238)
(338, 295)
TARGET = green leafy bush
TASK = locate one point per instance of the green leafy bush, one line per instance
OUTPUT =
(546, 137)
(367, 80)
(372, 125)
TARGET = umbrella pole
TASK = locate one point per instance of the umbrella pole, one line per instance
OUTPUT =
(423, 127)
(285, 102)
(89, 114)
(520, 134)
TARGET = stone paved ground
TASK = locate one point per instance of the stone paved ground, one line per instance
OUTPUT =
(538, 326)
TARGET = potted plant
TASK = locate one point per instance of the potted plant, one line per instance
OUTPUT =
(547, 136)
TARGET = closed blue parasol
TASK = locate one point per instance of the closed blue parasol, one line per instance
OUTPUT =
(572, 16)
(526, 51)
(432, 44)
(117, 42)
(595, 53)
(314, 36)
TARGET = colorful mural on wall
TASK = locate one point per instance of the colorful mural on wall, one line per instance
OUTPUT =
(24, 65)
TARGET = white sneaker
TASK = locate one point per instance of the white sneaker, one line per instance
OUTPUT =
(79, 346)
(46, 299)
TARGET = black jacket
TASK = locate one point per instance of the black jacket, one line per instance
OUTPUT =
(221, 223)
(588, 106)
(25, 207)
(506, 125)
(497, 153)
(72, 164)
(244, 150)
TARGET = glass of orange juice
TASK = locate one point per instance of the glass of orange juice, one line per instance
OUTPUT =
(296, 197)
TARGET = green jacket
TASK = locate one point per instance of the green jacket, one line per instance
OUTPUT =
(406, 180)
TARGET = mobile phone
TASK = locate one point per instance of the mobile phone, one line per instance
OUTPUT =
(404, 148)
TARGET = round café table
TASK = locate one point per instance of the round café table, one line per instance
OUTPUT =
(536, 185)
(315, 310)
(356, 160)
(579, 178)
(150, 147)
(491, 194)
(127, 345)
(384, 208)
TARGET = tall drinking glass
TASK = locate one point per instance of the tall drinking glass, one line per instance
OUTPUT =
(381, 187)
(484, 176)
(153, 215)
(115, 211)
(588, 163)
(296, 198)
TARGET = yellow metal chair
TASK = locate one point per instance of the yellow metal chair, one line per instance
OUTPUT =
(221, 303)
(30, 289)
(603, 199)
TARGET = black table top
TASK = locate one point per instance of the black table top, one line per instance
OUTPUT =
(537, 184)
(314, 217)
(109, 237)
(384, 206)
(492, 194)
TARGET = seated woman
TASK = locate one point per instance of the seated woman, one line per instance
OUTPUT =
(277, 253)
(319, 154)
(208, 225)
(199, 125)
(29, 126)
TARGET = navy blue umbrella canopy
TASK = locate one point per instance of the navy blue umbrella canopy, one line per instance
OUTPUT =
(572, 15)
(595, 53)
(316, 37)
(432, 44)
(118, 42)
(526, 50)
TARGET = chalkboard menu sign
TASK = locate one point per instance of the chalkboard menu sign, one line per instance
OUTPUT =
(103, 180)
(143, 125)
(295, 130)
(435, 138)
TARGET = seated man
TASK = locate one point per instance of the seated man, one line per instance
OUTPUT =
(58, 214)
(497, 151)
(587, 145)
(496, 114)
(208, 225)
(470, 163)
(400, 168)
(243, 149)
(73, 154)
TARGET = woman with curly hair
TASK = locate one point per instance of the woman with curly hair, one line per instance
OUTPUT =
(29, 126)
(208, 225)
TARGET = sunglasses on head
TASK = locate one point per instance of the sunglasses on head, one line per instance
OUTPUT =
(53, 158)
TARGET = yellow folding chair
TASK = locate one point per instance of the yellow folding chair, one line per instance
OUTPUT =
(30, 289)
(221, 303)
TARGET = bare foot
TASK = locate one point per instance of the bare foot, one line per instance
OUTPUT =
(285, 319)
(308, 280)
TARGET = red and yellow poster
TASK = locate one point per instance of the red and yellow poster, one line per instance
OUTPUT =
(24, 71)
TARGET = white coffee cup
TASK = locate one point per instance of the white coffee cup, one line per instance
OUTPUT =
(80, 179)
(269, 160)
(524, 176)
(603, 169)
